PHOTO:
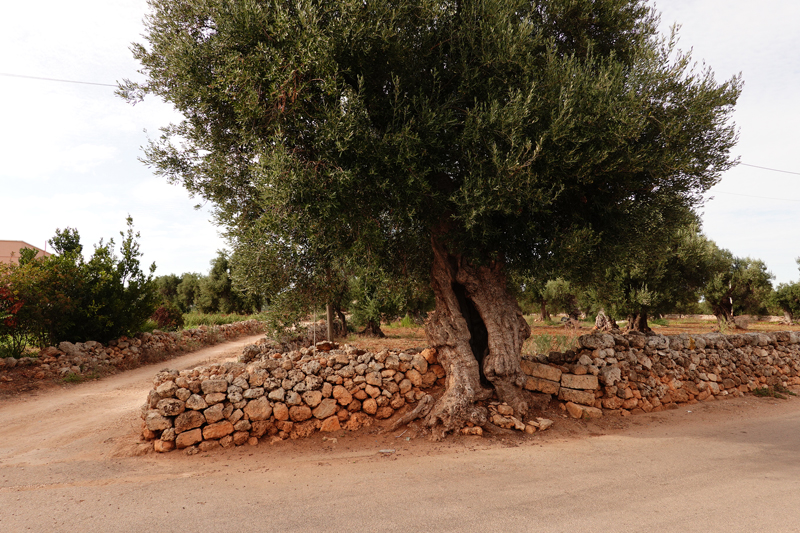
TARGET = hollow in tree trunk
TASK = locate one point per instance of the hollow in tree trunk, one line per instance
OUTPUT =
(477, 329)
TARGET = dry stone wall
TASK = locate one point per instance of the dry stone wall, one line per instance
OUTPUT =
(624, 374)
(86, 358)
(272, 393)
(283, 395)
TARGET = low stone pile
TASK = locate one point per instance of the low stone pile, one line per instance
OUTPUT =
(624, 374)
(283, 395)
(85, 358)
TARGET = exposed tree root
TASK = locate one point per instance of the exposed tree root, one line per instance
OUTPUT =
(452, 412)
(491, 429)
(420, 411)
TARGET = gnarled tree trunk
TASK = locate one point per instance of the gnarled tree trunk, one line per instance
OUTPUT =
(372, 329)
(638, 322)
(341, 324)
(478, 330)
(545, 312)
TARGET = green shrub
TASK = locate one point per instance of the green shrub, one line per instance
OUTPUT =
(65, 298)
(168, 317)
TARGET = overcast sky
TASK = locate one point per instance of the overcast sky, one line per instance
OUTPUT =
(70, 152)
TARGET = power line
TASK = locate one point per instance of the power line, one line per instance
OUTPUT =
(760, 197)
(55, 79)
(772, 169)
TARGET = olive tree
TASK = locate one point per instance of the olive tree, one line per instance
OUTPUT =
(458, 140)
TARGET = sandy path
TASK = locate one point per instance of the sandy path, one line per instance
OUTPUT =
(727, 465)
(80, 421)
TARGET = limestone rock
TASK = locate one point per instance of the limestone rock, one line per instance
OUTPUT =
(217, 430)
(576, 396)
(583, 411)
(330, 424)
(162, 446)
(299, 413)
(240, 437)
(585, 382)
(384, 412)
(419, 363)
(188, 438)
(414, 377)
(254, 393)
(170, 407)
(341, 395)
(312, 398)
(280, 412)
(214, 413)
(189, 420)
(542, 385)
(167, 389)
(155, 421)
(326, 409)
(196, 402)
(259, 409)
(369, 406)
(208, 445)
(215, 398)
(539, 370)
(214, 385)
(610, 375)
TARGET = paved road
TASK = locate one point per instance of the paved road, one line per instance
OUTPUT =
(720, 466)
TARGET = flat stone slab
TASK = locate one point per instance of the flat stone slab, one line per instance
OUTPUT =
(538, 370)
(584, 382)
(576, 396)
(542, 385)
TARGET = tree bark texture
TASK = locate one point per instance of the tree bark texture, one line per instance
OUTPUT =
(477, 329)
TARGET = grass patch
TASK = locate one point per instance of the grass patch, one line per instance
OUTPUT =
(546, 343)
(80, 378)
(659, 321)
(778, 391)
(193, 320)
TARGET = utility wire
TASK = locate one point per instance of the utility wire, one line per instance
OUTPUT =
(751, 196)
(55, 79)
(772, 169)
(111, 85)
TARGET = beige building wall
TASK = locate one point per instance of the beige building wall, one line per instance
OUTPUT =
(9, 251)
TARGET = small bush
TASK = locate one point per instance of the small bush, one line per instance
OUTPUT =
(168, 317)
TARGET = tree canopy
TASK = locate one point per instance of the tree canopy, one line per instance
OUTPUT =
(456, 141)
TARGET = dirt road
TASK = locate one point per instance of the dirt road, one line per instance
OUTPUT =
(68, 463)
